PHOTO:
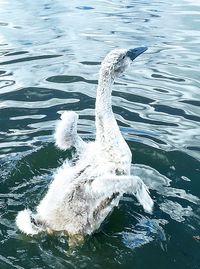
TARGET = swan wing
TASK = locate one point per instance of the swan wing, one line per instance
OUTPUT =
(110, 184)
(66, 134)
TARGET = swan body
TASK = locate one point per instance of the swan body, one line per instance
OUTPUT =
(83, 194)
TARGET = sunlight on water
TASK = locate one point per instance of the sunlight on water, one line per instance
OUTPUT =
(50, 56)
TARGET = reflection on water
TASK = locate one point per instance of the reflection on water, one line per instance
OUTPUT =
(50, 56)
(145, 231)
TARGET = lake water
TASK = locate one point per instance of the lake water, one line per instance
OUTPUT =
(50, 55)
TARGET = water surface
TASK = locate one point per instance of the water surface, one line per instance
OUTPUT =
(50, 57)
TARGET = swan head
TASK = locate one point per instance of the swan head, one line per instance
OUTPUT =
(118, 60)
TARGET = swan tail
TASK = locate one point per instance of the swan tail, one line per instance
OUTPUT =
(27, 224)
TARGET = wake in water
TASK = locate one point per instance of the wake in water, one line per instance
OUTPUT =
(83, 194)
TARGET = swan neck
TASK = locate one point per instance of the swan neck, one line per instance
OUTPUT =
(106, 125)
(104, 91)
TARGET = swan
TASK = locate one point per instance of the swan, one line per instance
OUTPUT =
(82, 194)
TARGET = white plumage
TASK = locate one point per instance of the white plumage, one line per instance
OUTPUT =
(82, 195)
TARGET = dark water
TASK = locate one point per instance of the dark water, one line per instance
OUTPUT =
(50, 55)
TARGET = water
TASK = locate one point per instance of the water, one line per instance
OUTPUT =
(50, 56)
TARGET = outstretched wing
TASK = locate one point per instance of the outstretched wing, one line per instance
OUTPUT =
(110, 184)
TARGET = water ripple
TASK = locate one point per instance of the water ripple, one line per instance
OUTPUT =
(69, 79)
(37, 104)
(31, 58)
(6, 83)
(50, 57)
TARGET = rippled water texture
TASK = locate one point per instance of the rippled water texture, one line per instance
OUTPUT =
(50, 55)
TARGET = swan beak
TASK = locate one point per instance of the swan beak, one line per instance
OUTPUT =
(134, 53)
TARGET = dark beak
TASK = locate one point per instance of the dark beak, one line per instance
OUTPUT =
(134, 53)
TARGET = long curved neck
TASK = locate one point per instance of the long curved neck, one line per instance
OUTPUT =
(106, 125)
(104, 90)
